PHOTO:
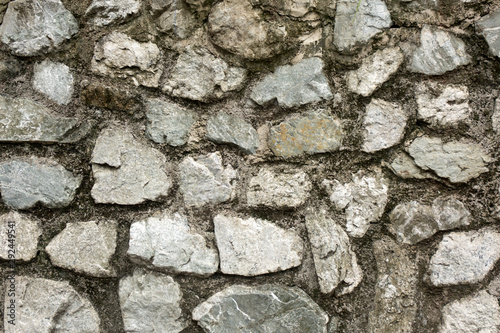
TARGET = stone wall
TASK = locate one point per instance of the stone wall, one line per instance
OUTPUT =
(249, 166)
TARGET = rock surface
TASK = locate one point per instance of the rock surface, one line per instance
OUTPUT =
(299, 8)
(495, 119)
(106, 12)
(223, 128)
(24, 245)
(404, 166)
(177, 20)
(489, 27)
(53, 80)
(111, 98)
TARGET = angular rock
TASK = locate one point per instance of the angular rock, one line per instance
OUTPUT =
(265, 308)
(24, 184)
(464, 257)
(111, 98)
(404, 166)
(127, 172)
(33, 27)
(489, 27)
(150, 302)
(106, 12)
(200, 76)
(168, 243)
(45, 306)
(299, 8)
(294, 85)
(177, 20)
(495, 119)
(117, 55)
(24, 245)
(450, 213)
(53, 80)
(85, 247)
(438, 53)
(374, 71)
(223, 128)
(310, 133)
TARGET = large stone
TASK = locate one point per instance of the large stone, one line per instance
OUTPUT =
(404, 166)
(46, 306)
(251, 247)
(489, 27)
(85, 247)
(457, 161)
(495, 118)
(150, 302)
(167, 242)
(223, 128)
(294, 85)
(265, 308)
(33, 27)
(23, 242)
(464, 257)
(108, 97)
(25, 183)
(310, 133)
(127, 172)
(53, 80)
(438, 53)
(106, 12)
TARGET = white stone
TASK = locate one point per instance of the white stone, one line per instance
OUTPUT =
(106, 12)
(23, 242)
(54, 80)
(495, 119)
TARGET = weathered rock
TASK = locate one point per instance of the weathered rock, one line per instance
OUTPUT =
(450, 213)
(177, 20)
(418, 12)
(167, 242)
(251, 247)
(33, 27)
(266, 309)
(464, 257)
(223, 128)
(495, 119)
(200, 76)
(374, 71)
(127, 172)
(45, 306)
(489, 27)
(204, 180)
(85, 247)
(117, 55)
(54, 80)
(438, 53)
(404, 166)
(168, 122)
(457, 161)
(106, 12)
(107, 97)
(310, 133)
(24, 184)
(494, 287)
(25, 243)
(295, 85)
(150, 302)
(299, 8)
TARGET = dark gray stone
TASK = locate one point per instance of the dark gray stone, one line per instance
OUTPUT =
(223, 128)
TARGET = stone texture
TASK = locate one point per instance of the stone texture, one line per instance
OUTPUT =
(374, 71)
(464, 257)
(251, 247)
(25, 183)
(53, 80)
(33, 27)
(223, 128)
(310, 133)
(177, 20)
(46, 306)
(294, 85)
(450, 213)
(494, 286)
(299, 8)
(9, 68)
(85, 247)
(489, 27)
(106, 12)
(495, 119)
(167, 242)
(404, 166)
(111, 98)
(127, 172)
(265, 308)
(24, 244)
(150, 302)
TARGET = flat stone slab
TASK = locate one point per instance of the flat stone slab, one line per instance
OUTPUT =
(26, 230)
(489, 27)
(54, 80)
(223, 128)
(106, 12)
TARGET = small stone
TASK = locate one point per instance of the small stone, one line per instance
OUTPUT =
(265, 308)
(178, 21)
(127, 172)
(111, 98)
(310, 133)
(168, 243)
(404, 166)
(464, 257)
(450, 213)
(150, 302)
(85, 247)
(438, 53)
(106, 12)
(489, 27)
(251, 247)
(294, 85)
(54, 80)
(223, 128)
(374, 71)
(495, 119)
(27, 232)
(9, 68)
(24, 184)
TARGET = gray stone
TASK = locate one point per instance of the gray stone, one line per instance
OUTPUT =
(464, 257)
(457, 161)
(106, 12)
(299, 8)
(150, 302)
(168, 122)
(118, 56)
(334, 259)
(24, 184)
(223, 128)
(251, 247)
(85, 247)
(494, 286)
(489, 27)
(53, 80)
(167, 242)
(374, 71)
(495, 119)
(26, 230)
(204, 180)
(127, 172)
(294, 85)
(200, 76)
(46, 306)
(404, 166)
(178, 20)
(450, 213)
(438, 53)
(310, 133)
(33, 27)
(265, 308)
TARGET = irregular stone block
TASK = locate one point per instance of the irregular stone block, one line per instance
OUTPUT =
(24, 245)
(106, 12)
(489, 27)
(450, 213)
(404, 166)
(223, 128)
(495, 119)
(111, 98)
(299, 8)
(53, 80)
(177, 20)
